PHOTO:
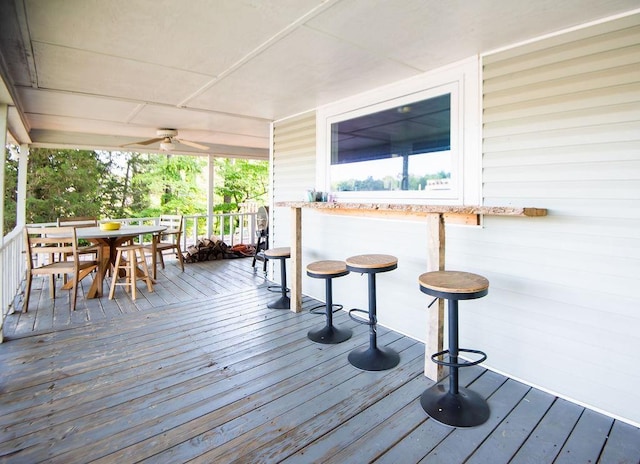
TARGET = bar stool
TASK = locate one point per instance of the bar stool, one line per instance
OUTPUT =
(327, 270)
(281, 254)
(134, 258)
(372, 357)
(457, 406)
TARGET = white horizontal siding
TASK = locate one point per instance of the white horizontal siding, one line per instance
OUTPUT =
(562, 131)
(293, 171)
(566, 154)
(551, 49)
(400, 304)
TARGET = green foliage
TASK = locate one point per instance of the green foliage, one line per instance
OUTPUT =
(64, 183)
(241, 181)
(368, 184)
(177, 178)
(10, 191)
(122, 184)
(122, 194)
(388, 183)
(147, 185)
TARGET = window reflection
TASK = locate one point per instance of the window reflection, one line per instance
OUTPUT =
(403, 148)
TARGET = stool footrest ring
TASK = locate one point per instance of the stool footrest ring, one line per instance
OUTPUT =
(317, 309)
(360, 320)
(458, 364)
(276, 288)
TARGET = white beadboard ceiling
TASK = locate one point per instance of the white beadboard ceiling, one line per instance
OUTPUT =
(100, 74)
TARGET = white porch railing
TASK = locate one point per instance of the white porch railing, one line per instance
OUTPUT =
(231, 228)
(12, 269)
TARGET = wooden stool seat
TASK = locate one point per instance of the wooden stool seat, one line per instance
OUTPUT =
(328, 270)
(372, 357)
(457, 406)
(274, 253)
(372, 263)
(282, 254)
(134, 257)
(455, 284)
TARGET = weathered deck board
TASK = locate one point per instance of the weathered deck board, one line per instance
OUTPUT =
(198, 281)
(508, 437)
(546, 440)
(622, 445)
(203, 371)
(326, 400)
(587, 439)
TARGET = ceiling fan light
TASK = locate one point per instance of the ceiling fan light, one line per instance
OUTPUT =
(166, 146)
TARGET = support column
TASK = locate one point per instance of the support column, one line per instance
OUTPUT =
(3, 142)
(296, 260)
(210, 194)
(435, 327)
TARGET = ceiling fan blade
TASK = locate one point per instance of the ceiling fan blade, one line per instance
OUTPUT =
(150, 141)
(192, 144)
(143, 142)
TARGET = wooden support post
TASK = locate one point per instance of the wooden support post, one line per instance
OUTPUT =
(296, 260)
(435, 329)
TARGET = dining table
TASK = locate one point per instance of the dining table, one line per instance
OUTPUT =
(110, 240)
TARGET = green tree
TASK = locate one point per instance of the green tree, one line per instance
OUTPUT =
(10, 190)
(123, 195)
(174, 183)
(124, 184)
(64, 183)
(240, 181)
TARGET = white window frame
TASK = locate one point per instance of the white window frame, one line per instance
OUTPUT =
(462, 81)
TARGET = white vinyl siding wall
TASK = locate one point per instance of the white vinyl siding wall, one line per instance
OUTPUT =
(293, 171)
(562, 131)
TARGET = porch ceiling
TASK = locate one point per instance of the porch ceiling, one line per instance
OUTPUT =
(96, 74)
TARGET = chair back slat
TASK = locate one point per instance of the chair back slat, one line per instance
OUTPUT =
(173, 223)
(168, 239)
(78, 221)
(49, 245)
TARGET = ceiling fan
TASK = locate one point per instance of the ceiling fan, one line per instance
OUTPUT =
(168, 139)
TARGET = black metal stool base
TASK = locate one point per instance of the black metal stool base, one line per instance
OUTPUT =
(284, 302)
(374, 359)
(329, 335)
(464, 409)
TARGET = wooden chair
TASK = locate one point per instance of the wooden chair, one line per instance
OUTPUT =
(46, 249)
(167, 240)
(81, 221)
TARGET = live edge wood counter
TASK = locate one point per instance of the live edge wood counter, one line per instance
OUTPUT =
(435, 217)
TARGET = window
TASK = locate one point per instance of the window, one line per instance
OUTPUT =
(406, 147)
(414, 144)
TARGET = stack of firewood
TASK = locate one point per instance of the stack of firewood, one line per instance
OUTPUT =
(209, 249)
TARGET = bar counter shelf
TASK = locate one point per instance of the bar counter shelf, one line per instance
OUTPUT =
(435, 217)
(416, 208)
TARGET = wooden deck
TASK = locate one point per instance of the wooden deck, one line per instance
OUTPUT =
(198, 281)
(202, 371)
